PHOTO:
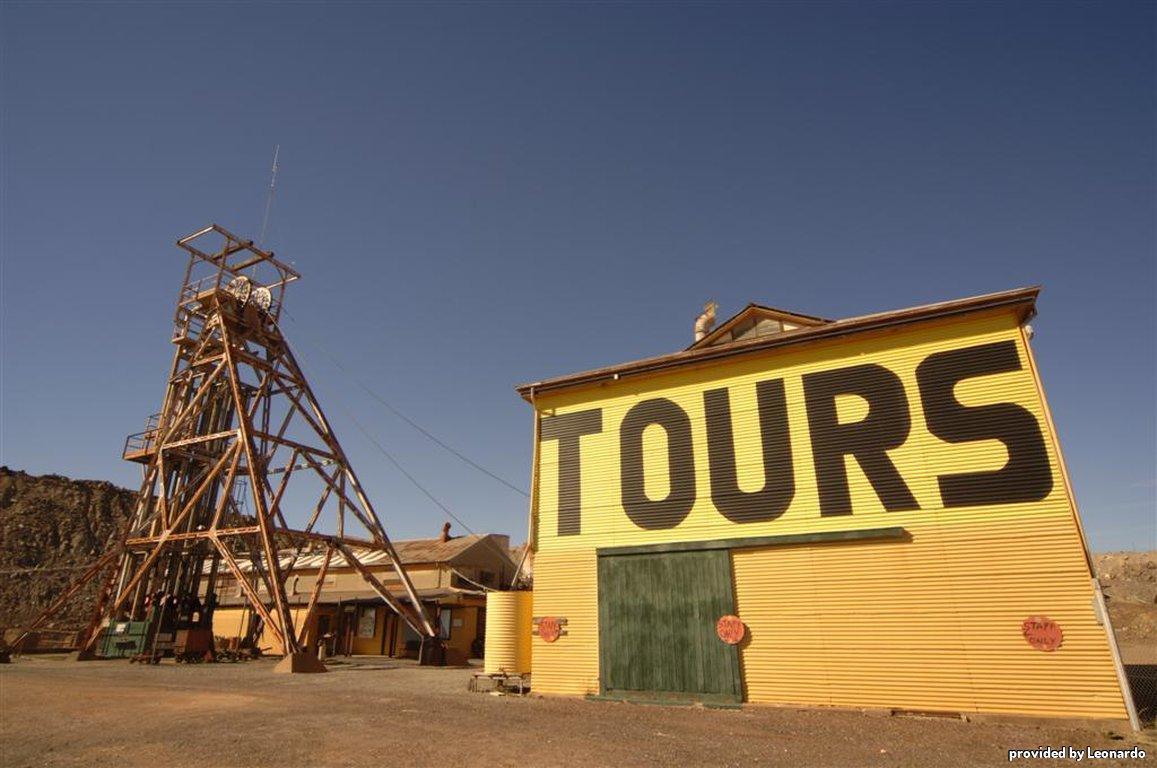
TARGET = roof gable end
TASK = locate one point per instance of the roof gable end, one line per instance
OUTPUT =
(756, 320)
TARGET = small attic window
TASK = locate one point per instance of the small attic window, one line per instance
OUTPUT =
(763, 327)
(752, 328)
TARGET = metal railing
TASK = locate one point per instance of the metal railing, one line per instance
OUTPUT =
(142, 442)
(187, 325)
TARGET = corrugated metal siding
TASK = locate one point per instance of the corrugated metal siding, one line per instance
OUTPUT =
(931, 623)
(566, 586)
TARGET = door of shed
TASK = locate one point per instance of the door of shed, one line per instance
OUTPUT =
(657, 616)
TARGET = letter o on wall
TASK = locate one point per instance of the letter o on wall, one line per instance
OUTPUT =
(668, 512)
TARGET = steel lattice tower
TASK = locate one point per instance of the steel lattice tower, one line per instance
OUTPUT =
(240, 444)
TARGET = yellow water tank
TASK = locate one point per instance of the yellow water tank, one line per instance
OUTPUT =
(508, 625)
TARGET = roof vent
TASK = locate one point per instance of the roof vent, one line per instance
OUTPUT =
(445, 532)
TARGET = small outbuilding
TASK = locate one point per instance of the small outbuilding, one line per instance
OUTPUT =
(451, 575)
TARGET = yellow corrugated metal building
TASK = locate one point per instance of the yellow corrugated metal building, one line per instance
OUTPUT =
(881, 501)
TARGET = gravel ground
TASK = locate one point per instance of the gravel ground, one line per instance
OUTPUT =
(54, 712)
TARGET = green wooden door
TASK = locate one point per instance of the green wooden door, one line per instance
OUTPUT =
(657, 615)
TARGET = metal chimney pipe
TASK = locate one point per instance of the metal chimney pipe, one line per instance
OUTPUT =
(706, 321)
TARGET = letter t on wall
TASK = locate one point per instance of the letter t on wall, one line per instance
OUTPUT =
(568, 428)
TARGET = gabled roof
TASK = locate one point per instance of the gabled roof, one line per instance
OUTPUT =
(1021, 300)
(751, 316)
(410, 552)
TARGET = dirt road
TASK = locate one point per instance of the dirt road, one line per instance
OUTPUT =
(376, 713)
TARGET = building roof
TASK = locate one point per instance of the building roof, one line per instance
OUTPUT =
(444, 595)
(1023, 300)
(435, 550)
(410, 552)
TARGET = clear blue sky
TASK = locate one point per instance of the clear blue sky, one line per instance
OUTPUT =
(480, 195)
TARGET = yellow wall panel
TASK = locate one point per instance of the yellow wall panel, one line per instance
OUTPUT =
(228, 622)
(231, 622)
(918, 625)
(566, 586)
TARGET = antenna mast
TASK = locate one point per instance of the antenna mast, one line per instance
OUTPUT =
(269, 199)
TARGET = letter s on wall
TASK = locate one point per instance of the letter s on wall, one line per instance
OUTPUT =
(1027, 476)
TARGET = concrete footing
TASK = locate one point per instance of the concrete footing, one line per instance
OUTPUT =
(299, 663)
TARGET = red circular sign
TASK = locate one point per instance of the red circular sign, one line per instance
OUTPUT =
(549, 629)
(730, 629)
(1042, 633)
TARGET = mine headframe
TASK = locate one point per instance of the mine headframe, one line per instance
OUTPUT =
(243, 474)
